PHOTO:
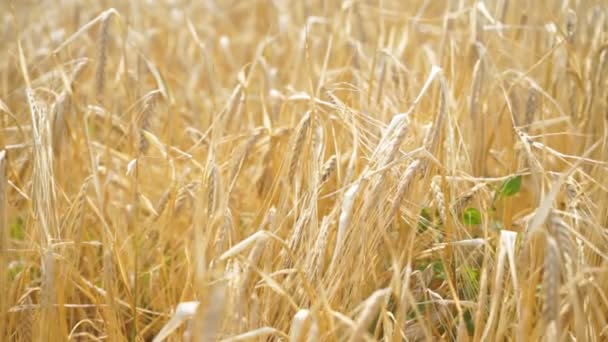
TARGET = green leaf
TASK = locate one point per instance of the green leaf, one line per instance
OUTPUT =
(471, 217)
(469, 321)
(471, 279)
(17, 229)
(438, 270)
(511, 186)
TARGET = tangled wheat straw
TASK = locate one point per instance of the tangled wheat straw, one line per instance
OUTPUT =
(304, 170)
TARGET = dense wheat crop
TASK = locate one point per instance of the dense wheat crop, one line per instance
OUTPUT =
(319, 170)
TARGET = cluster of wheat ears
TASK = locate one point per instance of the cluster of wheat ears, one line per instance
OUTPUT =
(316, 170)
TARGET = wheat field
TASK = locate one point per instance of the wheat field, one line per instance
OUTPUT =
(322, 170)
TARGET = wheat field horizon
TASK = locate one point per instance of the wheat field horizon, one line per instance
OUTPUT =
(268, 170)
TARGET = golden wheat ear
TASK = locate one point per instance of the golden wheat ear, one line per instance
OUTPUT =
(304, 171)
(100, 75)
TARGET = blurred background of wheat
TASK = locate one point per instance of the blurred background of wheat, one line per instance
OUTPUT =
(304, 170)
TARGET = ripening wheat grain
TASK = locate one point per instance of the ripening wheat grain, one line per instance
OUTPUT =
(304, 170)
